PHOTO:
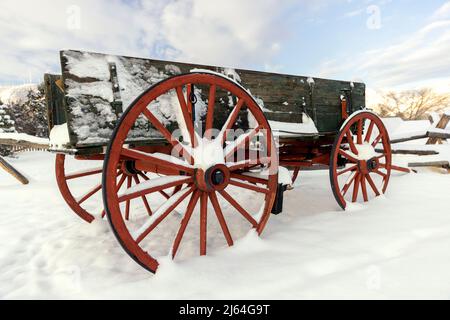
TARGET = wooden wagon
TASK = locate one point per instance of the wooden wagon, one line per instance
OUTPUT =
(173, 139)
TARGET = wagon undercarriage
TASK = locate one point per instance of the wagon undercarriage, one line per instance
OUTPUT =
(195, 157)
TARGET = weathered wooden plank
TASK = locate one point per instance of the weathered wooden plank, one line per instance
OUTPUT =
(423, 136)
(90, 95)
(439, 164)
(410, 151)
(438, 135)
(442, 124)
(23, 143)
(12, 171)
(54, 95)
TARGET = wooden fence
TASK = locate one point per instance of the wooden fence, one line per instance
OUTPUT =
(17, 146)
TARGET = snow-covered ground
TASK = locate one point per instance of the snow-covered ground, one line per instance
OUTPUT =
(394, 247)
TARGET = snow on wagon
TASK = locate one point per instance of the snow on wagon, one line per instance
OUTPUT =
(193, 157)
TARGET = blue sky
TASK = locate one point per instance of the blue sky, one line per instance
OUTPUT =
(388, 44)
(340, 30)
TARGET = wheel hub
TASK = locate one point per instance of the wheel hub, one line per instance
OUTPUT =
(367, 166)
(372, 164)
(129, 167)
(215, 178)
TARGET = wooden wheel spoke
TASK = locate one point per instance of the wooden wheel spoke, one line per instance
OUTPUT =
(231, 120)
(90, 194)
(356, 187)
(384, 175)
(347, 156)
(372, 185)
(203, 222)
(159, 159)
(369, 131)
(80, 174)
(162, 213)
(162, 192)
(221, 218)
(143, 176)
(351, 142)
(127, 204)
(249, 186)
(210, 112)
(167, 135)
(377, 139)
(359, 132)
(240, 142)
(364, 188)
(245, 164)
(144, 199)
(398, 168)
(186, 116)
(121, 182)
(349, 183)
(184, 222)
(154, 185)
(249, 178)
(239, 208)
(352, 168)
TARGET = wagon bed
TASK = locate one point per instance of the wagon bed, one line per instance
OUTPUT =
(96, 88)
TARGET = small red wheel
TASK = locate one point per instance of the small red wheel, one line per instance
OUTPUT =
(203, 165)
(354, 163)
(73, 183)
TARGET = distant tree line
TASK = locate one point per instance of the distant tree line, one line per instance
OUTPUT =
(28, 116)
(412, 104)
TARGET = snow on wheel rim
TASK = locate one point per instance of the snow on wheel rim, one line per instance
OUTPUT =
(360, 162)
(202, 165)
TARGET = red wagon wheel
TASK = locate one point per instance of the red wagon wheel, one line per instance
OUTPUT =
(202, 167)
(81, 187)
(357, 171)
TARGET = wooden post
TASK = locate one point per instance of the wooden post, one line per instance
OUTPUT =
(439, 164)
(442, 124)
(12, 171)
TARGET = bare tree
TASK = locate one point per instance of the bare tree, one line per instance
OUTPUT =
(412, 104)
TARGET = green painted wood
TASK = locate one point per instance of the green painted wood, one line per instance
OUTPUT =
(91, 106)
(54, 97)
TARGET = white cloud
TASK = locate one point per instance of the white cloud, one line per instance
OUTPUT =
(235, 33)
(423, 58)
(443, 11)
(354, 13)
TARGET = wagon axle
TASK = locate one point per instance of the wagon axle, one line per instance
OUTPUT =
(215, 178)
(368, 166)
(129, 167)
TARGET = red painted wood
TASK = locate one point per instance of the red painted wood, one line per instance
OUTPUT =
(203, 222)
(66, 192)
(221, 218)
(238, 207)
(210, 112)
(164, 215)
(135, 247)
(184, 222)
(359, 173)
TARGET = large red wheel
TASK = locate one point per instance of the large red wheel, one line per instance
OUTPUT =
(205, 164)
(357, 171)
(79, 182)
